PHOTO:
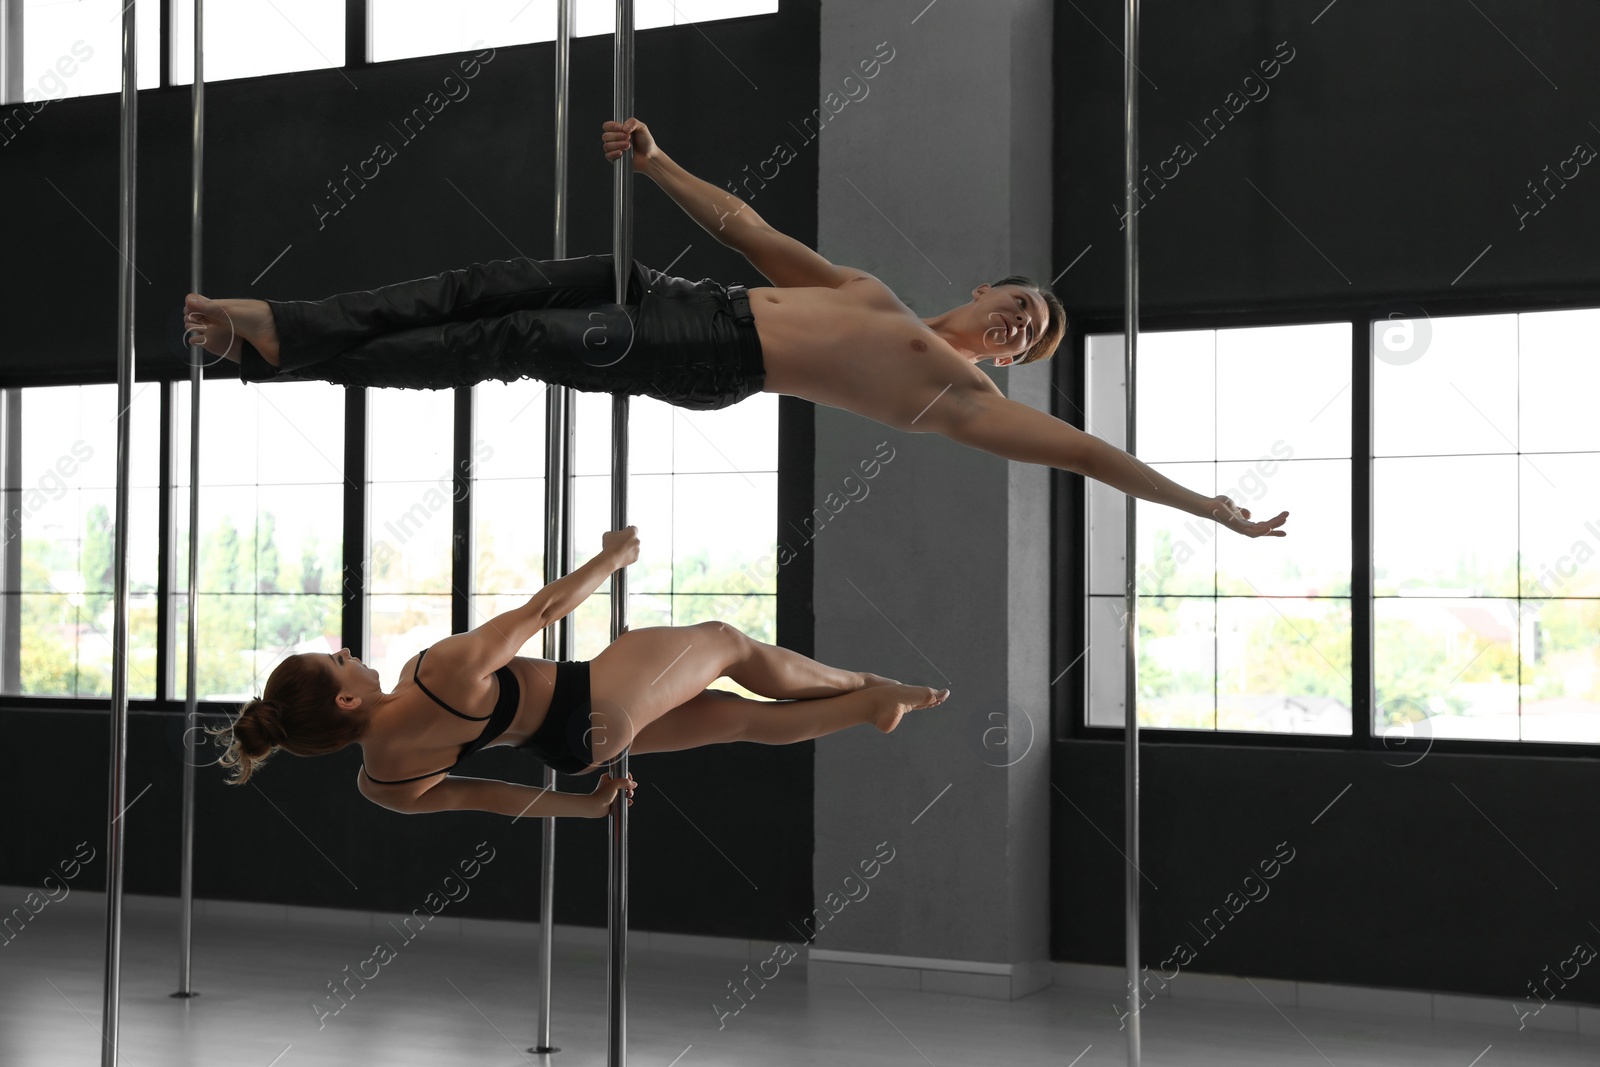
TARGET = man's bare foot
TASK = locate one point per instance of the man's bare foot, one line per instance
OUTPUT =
(899, 699)
(219, 325)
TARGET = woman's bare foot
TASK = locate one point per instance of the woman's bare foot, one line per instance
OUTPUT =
(218, 326)
(899, 699)
(872, 681)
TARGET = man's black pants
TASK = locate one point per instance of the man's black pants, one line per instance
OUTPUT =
(692, 344)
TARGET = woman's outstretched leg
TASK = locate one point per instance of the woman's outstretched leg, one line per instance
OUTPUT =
(784, 674)
(645, 673)
(716, 717)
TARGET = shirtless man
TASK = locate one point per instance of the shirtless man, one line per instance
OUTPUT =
(829, 334)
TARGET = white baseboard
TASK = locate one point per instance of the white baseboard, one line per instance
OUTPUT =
(1112, 984)
(925, 963)
(973, 978)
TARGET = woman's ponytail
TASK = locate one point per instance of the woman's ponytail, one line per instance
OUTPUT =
(251, 738)
(296, 712)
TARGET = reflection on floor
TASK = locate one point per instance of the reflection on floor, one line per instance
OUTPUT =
(456, 994)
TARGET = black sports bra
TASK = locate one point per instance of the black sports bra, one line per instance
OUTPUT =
(505, 710)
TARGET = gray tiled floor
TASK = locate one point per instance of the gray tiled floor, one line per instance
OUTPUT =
(469, 998)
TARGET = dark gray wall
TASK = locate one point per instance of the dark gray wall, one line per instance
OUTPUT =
(1396, 141)
(302, 835)
(273, 144)
(475, 184)
(1456, 873)
(1385, 156)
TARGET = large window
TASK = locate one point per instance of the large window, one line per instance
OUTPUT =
(702, 489)
(703, 492)
(1235, 634)
(1486, 522)
(75, 49)
(60, 530)
(1485, 598)
(405, 28)
(508, 527)
(410, 506)
(272, 492)
(251, 38)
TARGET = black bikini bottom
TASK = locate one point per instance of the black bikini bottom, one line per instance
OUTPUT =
(562, 740)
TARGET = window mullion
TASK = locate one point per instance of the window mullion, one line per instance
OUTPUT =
(463, 555)
(353, 602)
(1362, 608)
(357, 33)
(11, 553)
(166, 543)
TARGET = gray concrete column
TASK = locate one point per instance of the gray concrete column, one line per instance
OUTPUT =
(932, 865)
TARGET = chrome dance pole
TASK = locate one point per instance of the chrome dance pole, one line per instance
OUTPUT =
(557, 525)
(191, 716)
(1131, 675)
(11, 89)
(119, 627)
(622, 251)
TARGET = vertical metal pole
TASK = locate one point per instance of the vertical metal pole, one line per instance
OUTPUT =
(191, 718)
(557, 524)
(10, 52)
(119, 629)
(622, 250)
(1131, 678)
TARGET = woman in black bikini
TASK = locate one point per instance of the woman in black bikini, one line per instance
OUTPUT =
(645, 693)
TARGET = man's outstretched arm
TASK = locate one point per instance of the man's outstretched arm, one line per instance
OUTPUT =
(726, 217)
(995, 423)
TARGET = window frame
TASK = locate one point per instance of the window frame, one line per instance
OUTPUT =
(172, 510)
(357, 44)
(356, 522)
(1069, 558)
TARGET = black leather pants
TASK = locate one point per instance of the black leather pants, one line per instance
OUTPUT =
(692, 344)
